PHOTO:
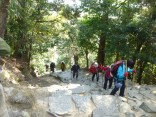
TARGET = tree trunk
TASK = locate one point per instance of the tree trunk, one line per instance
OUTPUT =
(141, 69)
(117, 56)
(137, 51)
(101, 50)
(3, 16)
(30, 50)
(76, 58)
(87, 60)
(102, 41)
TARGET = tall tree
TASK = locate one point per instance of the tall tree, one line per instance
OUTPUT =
(26, 23)
(98, 16)
(3, 16)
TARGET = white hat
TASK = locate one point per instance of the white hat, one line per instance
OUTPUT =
(96, 64)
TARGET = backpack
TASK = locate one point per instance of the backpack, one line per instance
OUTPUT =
(114, 68)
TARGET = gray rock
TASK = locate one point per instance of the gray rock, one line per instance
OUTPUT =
(106, 102)
(148, 106)
(124, 107)
(15, 113)
(80, 98)
(129, 114)
(80, 89)
(3, 107)
(83, 103)
(21, 99)
(134, 93)
(61, 92)
(65, 76)
(147, 93)
(61, 105)
(102, 113)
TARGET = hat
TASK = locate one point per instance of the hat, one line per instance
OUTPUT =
(130, 63)
(96, 64)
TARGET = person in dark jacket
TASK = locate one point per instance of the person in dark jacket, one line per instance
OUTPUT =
(47, 67)
(52, 67)
(75, 69)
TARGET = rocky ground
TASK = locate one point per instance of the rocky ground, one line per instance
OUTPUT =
(58, 95)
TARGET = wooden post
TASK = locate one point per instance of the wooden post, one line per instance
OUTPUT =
(126, 82)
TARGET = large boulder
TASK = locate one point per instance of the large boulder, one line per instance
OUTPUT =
(21, 98)
(61, 105)
(4, 48)
(3, 107)
(148, 106)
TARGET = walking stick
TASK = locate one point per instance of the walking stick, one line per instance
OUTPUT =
(126, 83)
(103, 74)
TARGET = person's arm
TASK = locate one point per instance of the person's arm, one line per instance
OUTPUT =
(79, 67)
(130, 70)
(72, 68)
(106, 68)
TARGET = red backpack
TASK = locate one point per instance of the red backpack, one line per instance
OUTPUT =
(115, 66)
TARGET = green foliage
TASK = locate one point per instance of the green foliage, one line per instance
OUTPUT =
(86, 38)
(4, 48)
(128, 27)
(149, 76)
(40, 60)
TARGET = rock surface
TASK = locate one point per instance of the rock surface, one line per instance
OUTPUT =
(3, 107)
(77, 98)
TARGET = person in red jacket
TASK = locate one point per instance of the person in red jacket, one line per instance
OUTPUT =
(94, 70)
(100, 68)
(108, 77)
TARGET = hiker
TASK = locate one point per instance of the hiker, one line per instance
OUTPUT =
(121, 75)
(75, 69)
(100, 68)
(94, 70)
(62, 66)
(52, 67)
(47, 67)
(108, 77)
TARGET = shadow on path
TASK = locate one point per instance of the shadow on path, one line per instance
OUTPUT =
(44, 81)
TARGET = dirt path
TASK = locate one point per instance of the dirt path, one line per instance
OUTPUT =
(44, 81)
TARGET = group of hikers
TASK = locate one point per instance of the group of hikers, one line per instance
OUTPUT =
(75, 68)
(117, 73)
(52, 67)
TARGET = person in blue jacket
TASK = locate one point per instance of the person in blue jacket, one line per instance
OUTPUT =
(121, 77)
